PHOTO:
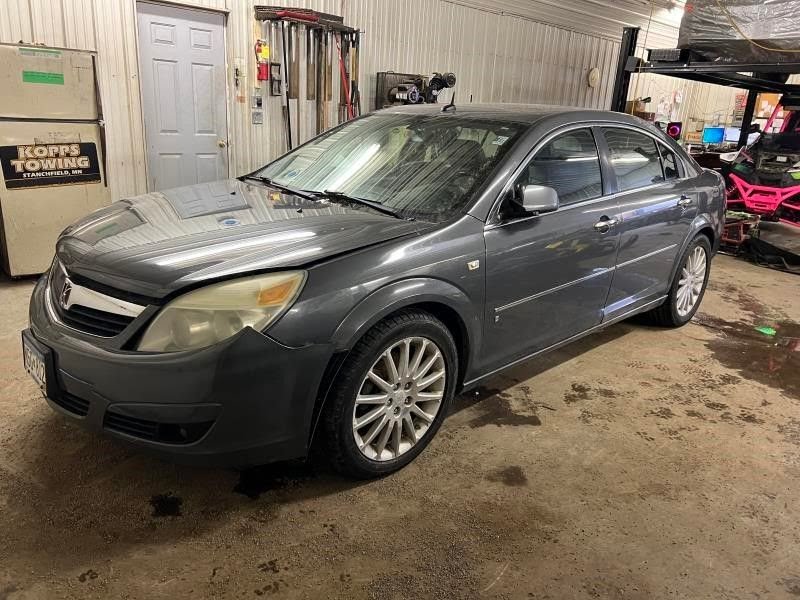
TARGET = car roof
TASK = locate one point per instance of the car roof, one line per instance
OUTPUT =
(519, 113)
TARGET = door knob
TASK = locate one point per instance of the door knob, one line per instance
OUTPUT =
(221, 143)
(604, 224)
(685, 200)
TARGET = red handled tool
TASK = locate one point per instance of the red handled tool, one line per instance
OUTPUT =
(345, 84)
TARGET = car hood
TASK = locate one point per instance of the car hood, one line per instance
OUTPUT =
(157, 243)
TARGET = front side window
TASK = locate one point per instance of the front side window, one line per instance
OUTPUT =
(634, 158)
(570, 165)
(424, 166)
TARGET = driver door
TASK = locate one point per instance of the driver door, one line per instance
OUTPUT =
(548, 275)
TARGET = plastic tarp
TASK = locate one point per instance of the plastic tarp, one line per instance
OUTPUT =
(719, 30)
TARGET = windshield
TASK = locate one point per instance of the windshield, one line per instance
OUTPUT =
(422, 166)
(787, 139)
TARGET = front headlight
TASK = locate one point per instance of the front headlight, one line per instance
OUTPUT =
(216, 312)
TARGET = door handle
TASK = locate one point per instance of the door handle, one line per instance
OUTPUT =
(684, 201)
(604, 224)
(221, 143)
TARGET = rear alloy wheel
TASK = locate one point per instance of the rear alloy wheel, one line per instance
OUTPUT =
(391, 395)
(691, 281)
(688, 286)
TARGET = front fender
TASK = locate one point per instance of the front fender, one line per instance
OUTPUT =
(410, 292)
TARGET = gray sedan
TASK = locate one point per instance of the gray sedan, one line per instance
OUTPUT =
(346, 291)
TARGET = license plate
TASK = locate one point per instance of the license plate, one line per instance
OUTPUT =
(34, 363)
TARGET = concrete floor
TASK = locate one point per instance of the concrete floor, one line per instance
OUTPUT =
(638, 463)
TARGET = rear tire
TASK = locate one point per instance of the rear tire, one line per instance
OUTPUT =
(688, 288)
(401, 406)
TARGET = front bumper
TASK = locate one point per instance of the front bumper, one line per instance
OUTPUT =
(245, 401)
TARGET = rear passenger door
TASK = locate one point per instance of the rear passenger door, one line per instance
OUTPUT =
(656, 206)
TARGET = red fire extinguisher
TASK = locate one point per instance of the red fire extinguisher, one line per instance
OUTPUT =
(262, 60)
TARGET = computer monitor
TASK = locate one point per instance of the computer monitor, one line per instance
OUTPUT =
(713, 135)
(732, 134)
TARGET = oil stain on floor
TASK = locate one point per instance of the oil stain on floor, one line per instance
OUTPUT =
(166, 505)
(771, 358)
(512, 476)
(496, 408)
(270, 477)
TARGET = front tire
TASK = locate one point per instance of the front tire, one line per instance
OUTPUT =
(688, 287)
(391, 395)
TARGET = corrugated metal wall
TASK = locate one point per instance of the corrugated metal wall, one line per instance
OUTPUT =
(497, 57)
(658, 19)
(501, 50)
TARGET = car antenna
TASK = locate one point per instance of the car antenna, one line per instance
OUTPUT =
(452, 103)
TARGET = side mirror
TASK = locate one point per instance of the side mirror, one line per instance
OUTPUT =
(538, 199)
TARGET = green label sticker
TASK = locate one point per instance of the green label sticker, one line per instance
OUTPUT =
(40, 52)
(43, 77)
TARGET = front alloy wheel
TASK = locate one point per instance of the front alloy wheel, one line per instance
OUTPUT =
(390, 395)
(399, 398)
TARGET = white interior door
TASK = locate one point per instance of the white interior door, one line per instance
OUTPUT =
(182, 70)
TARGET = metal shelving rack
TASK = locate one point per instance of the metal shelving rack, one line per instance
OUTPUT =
(755, 78)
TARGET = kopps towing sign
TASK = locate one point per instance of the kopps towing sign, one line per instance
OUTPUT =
(35, 165)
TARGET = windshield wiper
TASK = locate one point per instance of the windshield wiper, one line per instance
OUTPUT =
(284, 188)
(336, 195)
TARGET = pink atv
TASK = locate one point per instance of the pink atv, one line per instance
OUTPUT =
(764, 178)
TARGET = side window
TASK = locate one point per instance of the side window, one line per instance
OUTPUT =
(671, 163)
(634, 157)
(570, 165)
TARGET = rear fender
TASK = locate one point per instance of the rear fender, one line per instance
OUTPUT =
(699, 223)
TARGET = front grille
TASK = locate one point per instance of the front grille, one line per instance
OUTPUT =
(73, 404)
(166, 433)
(79, 314)
(93, 321)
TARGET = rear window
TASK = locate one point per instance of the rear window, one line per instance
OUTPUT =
(673, 169)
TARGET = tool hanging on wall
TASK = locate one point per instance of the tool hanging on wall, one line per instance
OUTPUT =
(275, 77)
(287, 115)
(345, 89)
(311, 64)
(328, 67)
(293, 78)
(355, 94)
(320, 79)
(293, 67)
(319, 65)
